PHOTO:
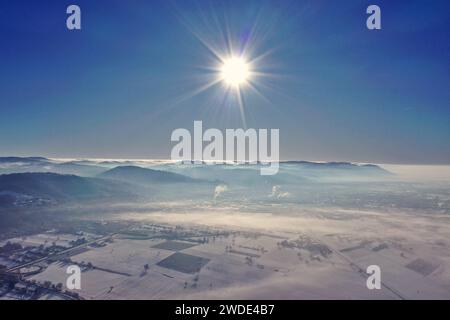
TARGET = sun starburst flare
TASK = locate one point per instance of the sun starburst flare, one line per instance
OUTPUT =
(235, 65)
(235, 71)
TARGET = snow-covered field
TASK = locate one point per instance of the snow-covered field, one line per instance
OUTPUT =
(45, 239)
(251, 261)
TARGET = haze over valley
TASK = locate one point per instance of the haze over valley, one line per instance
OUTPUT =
(153, 229)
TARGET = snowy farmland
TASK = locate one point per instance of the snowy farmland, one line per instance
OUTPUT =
(232, 263)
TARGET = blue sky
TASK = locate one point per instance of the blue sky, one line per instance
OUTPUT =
(118, 87)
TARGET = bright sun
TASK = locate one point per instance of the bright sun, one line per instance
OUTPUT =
(235, 71)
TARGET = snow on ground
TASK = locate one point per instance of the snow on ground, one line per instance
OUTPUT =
(45, 239)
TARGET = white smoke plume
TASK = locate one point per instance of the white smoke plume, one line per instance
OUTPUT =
(221, 188)
(278, 193)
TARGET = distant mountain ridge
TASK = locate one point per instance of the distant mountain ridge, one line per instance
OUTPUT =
(338, 165)
(23, 159)
(145, 176)
(10, 165)
(149, 173)
(53, 186)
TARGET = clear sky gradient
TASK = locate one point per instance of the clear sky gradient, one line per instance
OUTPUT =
(118, 87)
